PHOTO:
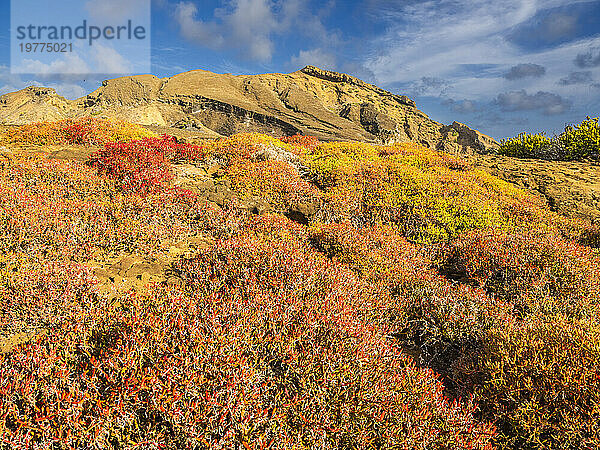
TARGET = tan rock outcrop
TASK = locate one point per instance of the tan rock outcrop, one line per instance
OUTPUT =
(34, 104)
(312, 101)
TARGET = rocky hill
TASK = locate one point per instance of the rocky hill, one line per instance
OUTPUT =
(332, 106)
(34, 104)
(325, 104)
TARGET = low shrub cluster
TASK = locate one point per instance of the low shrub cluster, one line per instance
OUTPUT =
(581, 141)
(299, 140)
(430, 195)
(84, 131)
(142, 165)
(576, 142)
(276, 181)
(538, 381)
(536, 376)
(266, 346)
(538, 271)
(55, 210)
(425, 304)
(303, 322)
(242, 146)
(258, 166)
(527, 146)
(430, 317)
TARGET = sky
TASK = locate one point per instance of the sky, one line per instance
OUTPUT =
(501, 67)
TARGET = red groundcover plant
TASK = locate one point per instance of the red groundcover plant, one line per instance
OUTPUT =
(299, 140)
(139, 166)
(266, 346)
(345, 333)
(538, 271)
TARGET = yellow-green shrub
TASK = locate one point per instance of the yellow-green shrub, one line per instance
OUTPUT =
(581, 141)
(431, 196)
(84, 131)
(525, 146)
(575, 142)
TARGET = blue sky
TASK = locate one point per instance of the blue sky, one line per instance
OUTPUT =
(502, 67)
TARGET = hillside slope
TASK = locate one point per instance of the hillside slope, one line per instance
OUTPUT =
(571, 188)
(325, 104)
(34, 104)
(254, 292)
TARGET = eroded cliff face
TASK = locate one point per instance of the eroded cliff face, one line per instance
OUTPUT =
(325, 104)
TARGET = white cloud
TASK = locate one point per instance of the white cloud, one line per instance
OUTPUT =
(590, 58)
(525, 70)
(108, 60)
(250, 26)
(433, 39)
(315, 57)
(116, 11)
(7, 79)
(559, 25)
(461, 106)
(195, 30)
(11, 83)
(247, 27)
(252, 22)
(583, 77)
(68, 90)
(70, 63)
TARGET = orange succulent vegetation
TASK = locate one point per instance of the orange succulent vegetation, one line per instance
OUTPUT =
(436, 319)
(418, 278)
(83, 131)
(539, 382)
(275, 181)
(550, 351)
(539, 271)
(241, 146)
(56, 210)
(266, 343)
(301, 141)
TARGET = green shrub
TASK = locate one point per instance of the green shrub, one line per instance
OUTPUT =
(525, 145)
(574, 143)
(581, 141)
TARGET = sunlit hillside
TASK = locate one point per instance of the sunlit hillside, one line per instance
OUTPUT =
(253, 292)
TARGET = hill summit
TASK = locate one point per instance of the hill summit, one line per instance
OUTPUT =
(311, 101)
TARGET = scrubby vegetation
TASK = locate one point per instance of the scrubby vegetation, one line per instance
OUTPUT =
(576, 142)
(422, 304)
(84, 131)
(528, 146)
